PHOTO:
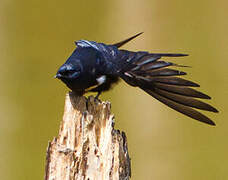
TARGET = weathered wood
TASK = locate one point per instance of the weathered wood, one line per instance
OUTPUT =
(87, 147)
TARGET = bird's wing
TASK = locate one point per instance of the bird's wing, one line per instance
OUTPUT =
(154, 76)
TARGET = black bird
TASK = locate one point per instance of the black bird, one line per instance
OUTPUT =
(96, 67)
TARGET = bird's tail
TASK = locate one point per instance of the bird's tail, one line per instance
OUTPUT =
(156, 78)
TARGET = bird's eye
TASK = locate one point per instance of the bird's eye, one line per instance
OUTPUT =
(68, 72)
(72, 73)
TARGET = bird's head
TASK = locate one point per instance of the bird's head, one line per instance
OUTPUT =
(68, 72)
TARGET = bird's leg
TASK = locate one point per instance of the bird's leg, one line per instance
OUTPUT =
(87, 105)
(98, 94)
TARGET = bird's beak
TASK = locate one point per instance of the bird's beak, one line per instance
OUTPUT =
(57, 75)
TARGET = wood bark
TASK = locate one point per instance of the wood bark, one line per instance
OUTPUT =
(87, 147)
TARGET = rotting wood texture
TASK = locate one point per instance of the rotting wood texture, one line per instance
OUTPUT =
(87, 147)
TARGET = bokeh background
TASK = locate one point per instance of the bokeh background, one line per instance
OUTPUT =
(37, 36)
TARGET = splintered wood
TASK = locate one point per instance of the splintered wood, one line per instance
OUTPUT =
(87, 147)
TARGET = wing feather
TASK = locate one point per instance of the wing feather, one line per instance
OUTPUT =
(181, 108)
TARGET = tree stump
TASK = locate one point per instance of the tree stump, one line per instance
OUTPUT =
(87, 147)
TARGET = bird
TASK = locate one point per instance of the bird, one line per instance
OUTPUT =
(96, 67)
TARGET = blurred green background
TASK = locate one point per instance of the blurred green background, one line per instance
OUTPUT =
(37, 36)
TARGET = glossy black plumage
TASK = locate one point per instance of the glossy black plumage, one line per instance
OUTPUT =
(96, 67)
